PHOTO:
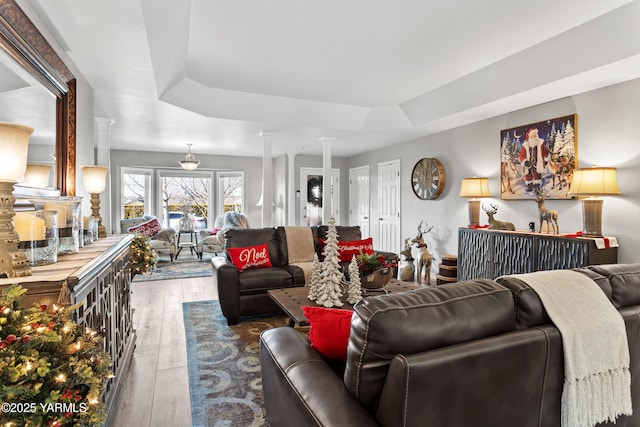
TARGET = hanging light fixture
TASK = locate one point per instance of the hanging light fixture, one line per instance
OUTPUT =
(190, 162)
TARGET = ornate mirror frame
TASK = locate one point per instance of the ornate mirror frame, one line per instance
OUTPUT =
(22, 41)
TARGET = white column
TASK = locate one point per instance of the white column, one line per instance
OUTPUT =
(327, 199)
(267, 180)
(102, 134)
(291, 198)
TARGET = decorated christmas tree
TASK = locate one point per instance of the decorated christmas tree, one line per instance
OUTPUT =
(330, 291)
(355, 286)
(143, 257)
(314, 279)
(51, 371)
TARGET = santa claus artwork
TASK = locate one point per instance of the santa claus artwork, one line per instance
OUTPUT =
(533, 158)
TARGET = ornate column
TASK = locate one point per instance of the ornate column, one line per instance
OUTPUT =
(102, 134)
(267, 179)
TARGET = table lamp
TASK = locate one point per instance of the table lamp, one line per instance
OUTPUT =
(14, 141)
(37, 175)
(474, 188)
(95, 181)
(590, 183)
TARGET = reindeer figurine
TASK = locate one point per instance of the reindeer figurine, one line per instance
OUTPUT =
(424, 257)
(548, 215)
(494, 224)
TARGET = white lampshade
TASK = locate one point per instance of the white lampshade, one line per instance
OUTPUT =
(14, 142)
(94, 178)
(475, 187)
(595, 181)
(37, 175)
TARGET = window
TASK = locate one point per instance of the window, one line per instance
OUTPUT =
(135, 193)
(185, 194)
(231, 190)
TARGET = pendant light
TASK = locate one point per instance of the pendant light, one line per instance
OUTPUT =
(190, 162)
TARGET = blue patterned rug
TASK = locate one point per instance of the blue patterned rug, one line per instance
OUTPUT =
(225, 384)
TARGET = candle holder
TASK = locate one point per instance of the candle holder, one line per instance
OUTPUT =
(89, 224)
(40, 246)
(68, 224)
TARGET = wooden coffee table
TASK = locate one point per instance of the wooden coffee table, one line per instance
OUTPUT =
(291, 300)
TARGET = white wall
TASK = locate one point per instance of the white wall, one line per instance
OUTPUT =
(608, 135)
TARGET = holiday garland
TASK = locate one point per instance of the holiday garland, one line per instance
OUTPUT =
(51, 371)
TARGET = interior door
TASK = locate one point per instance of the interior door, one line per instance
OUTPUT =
(389, 206)
(359, 199)
(312, 186)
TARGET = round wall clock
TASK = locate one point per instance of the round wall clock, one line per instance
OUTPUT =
(428, 178)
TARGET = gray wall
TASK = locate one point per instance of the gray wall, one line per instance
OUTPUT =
(607, 135)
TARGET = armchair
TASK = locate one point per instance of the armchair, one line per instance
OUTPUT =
(163, 240)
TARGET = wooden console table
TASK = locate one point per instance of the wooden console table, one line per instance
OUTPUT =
(100, 277)
(489, 254)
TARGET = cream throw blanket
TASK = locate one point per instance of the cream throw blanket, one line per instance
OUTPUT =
(300, 248)
(597, 381)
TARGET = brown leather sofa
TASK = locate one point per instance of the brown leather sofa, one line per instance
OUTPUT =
(475, 353)
(245, 293)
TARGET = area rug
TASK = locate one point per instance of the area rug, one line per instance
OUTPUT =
(225, 383)
(178, 269)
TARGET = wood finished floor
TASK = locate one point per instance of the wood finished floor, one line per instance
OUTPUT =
(155, 391)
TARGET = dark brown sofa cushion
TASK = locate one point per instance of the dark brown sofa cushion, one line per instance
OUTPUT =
(417, 321)
(624, 280)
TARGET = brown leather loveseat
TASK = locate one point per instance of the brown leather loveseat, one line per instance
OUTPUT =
(475, 353)
(244, 293)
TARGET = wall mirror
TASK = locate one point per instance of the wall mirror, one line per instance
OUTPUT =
(38, 90)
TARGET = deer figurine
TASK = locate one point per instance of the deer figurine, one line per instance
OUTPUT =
(424, 257)
(548, 215)
(494, 224)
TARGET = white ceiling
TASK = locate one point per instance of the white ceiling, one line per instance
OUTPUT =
(369, 72)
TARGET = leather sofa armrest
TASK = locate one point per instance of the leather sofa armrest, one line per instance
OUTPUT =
(301, 389)
(227, 282)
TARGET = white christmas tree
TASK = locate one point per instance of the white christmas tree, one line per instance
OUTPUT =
(330, 289)
(314, 279)
(355, 287)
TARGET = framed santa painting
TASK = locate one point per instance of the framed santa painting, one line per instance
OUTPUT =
(539, 157)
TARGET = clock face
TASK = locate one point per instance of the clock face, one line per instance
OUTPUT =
(428, 178)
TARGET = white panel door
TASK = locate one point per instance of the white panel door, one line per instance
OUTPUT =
(312, 184)
(389, 206)
(359, 199)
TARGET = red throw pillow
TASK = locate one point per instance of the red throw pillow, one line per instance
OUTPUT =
(250, 257)
(329, 330)
(346, 250)
(149, 228)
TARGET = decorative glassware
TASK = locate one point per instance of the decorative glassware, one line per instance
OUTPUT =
(89, 225)
(68, 224)
(95, 224)
(38, 231)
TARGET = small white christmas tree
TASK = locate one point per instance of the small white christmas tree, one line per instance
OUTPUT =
(314, 279)
(355, 287)
(330, 289)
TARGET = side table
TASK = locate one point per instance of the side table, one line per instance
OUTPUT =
(192, 244)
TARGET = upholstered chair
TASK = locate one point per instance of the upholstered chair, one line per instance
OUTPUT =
(163, 240)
